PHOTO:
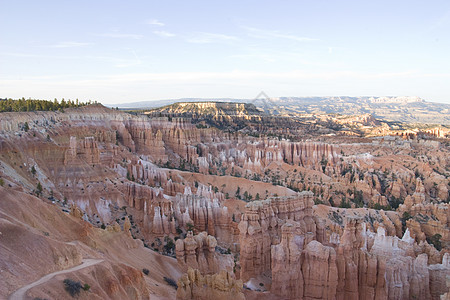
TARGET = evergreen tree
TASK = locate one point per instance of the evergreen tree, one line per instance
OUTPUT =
(38, 189)
(10, 105)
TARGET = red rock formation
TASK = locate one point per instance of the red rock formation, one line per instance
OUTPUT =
(364, 266)
(260, 227)
(221, 286)
(197, 252)
(127, 226)
(86, 151)
(428, 218)
(319, 271)
(287, 278)
(439, 277)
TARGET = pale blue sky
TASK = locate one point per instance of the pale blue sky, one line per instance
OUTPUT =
(127, 51)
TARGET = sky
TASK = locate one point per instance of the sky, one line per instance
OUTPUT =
(128, 51)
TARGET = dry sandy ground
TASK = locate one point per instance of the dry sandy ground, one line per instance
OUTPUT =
(20, 293)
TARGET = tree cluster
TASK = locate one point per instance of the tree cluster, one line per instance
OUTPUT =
(8, 105)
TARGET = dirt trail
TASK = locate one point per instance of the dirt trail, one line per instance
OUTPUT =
(20, 293)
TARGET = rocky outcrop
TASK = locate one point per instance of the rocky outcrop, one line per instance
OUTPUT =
(260, 227)
(76, 211)
(428, 218)
(446, 296)
(197, 252)
(439, 277)
(319, 271)
(287, 279)
(300, 272)
(221, 286)
(165, 215)
(127, 226)
(205, 210)
(360, 265)
(85, 150)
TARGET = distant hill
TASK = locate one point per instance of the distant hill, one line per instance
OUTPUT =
(400, 109)
(161, 103)
(213, 108)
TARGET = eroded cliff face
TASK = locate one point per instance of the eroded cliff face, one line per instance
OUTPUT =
(193, 285)
(260, 228)
(315, 218)
(199, 252)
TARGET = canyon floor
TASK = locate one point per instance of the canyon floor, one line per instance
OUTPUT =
(221, 201)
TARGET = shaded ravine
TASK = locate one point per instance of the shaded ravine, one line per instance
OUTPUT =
(20, 293)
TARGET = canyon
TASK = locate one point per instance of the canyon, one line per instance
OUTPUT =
(207, 200)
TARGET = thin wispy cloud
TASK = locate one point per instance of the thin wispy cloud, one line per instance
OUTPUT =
(164, 33)
(118, 62)
(238, 75)
(207, 38)
(270, 34)
(18, 54)
(130, 63)
(69, 44)
(154, 22)
(122, 35)
(290, 57)
(259, 56)
(440, 22)
(241, 81)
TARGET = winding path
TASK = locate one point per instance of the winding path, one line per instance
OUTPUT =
(20, 293)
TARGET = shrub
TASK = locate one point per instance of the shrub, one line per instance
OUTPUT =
(395, 202)
(38, 189)
(72, 287)
(436, 241)
(179, 231)
(378, 206)
(189, 227)
(331, 201)
(169, 247)
(358, 198)
(406, 216)
(86, 287)
(171, 282)
(344, 204)
(145, 271)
